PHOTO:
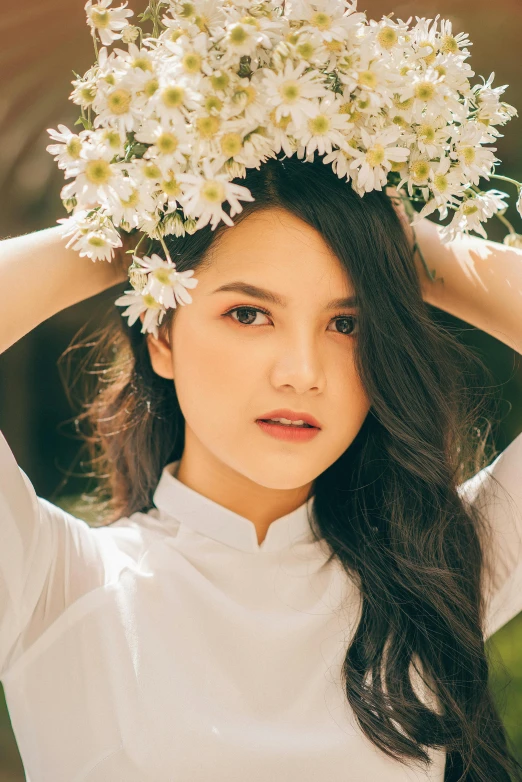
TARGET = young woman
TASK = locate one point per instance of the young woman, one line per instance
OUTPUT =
(271, 601)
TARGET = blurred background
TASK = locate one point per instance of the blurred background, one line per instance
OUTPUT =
(43, 42)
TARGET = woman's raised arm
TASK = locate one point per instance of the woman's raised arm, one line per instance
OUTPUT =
(481, 281)
(39, 277)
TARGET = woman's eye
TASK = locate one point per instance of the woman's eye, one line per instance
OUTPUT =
(246, 317)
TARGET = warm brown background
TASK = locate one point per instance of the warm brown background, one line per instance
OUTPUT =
(43, 41)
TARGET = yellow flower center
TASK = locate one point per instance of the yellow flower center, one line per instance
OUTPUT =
(213, 191)
(396, 166)
(420, 170)
(441, 70)
(400, 121)
(426, 132)
(191, 62)
(150, 301)
(87, 94)
(100, 19)
(119, 101)
(321, 20)
(402, 105)
(469, 154)
(238, 35)
(150, 87)
(375, 155)
(250, 93)
(319, 125)
(175, 34)
(220, 81)
(171, 186)
(367, 79)
(213, 102)
(231, 144)
(167, 143)
(387, 37)
(441, 182)
(74, 146)
(283, 122)
(187, 10)
(250, 20)
(132, 201)
(112, 138)
(449, 45)
(98, 171)
(333, 46)
(425, 90)
(143, 63)
(110, 79)
(306, 50)
(162, 275)
(151, 171)
(96, 241)
(469, 208)
(208, 126)
(290, 91)
(173, 96)
(431, 55)
(363, 104)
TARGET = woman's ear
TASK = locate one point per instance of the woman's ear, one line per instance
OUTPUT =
(160, 354)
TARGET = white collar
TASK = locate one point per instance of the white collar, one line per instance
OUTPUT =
(209, 518)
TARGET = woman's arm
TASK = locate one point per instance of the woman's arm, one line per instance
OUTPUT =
(40, 277)
(481, 281)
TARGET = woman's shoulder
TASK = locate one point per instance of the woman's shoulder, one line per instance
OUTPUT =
(496, 492)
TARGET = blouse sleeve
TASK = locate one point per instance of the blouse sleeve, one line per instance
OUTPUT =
(497, 492)
(48, 559)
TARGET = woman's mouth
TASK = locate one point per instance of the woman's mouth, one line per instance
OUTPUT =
(289, 432)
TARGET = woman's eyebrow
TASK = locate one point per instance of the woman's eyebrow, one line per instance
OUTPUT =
(238, 286)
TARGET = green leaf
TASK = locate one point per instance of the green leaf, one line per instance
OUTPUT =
(85, 122)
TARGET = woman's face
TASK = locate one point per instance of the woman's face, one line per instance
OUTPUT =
(231, 369)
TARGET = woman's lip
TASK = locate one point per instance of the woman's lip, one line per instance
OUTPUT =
(295, 434)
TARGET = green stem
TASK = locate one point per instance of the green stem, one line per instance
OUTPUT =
(507, 179)
(506, 222)
(165, 248)
(95, 44)
(136, 248)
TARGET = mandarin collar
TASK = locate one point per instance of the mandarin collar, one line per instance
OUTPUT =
(213, 520)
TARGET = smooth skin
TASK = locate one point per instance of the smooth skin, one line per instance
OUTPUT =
(227, 374)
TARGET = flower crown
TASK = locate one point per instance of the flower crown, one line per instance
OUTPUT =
(220, 87)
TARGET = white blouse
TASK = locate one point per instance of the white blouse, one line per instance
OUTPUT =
(171, 647)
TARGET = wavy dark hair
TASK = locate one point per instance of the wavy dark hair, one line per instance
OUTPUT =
(388, 507)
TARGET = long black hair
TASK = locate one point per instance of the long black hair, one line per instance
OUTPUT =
(388, 507)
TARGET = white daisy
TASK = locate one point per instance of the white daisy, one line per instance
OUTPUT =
(325, 127)
(476, 160)
(167, 285)
(330, 19)
(169, 142)
(446, 188)
(136, 304)
(204, 194)
(473, 212)
(93, 235)
(291, 92)
(67, 151)
(115, 107)
(375, 161)
(97, 177)
(108, 22)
